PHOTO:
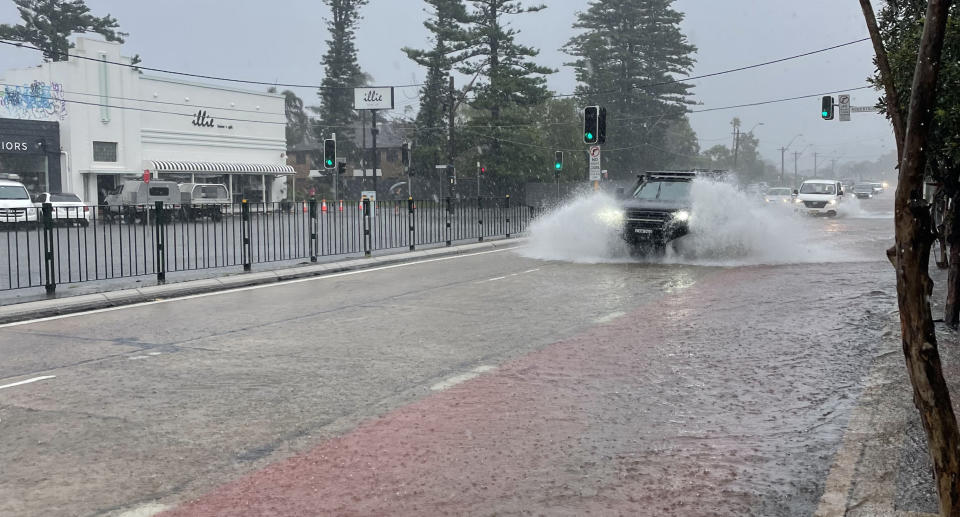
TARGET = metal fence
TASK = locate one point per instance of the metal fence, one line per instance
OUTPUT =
(49, 246)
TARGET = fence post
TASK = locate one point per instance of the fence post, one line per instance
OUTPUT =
(367, 238)
(49, 266)
(508, 216)
(160, 219)
(245, 232)
(449, 221)
(413, 225)
(480, 217)
(314, 230)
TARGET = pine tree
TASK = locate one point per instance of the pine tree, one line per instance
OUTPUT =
(47, 25)
(342, 74)
(509, 84)
(626, 50)
(447, 26)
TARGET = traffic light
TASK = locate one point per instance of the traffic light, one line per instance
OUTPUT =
(594, 125)
(826, 110)
(329, 153)
(558, 161)
(341, 169)
(405, 154)
(483, 170)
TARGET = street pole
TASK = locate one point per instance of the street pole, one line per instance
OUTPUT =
(783, 153)
(376, 158)
(736, 147)
(450, 142)
(363, 150)
(478, 179)
(815, 165)
(796, 176)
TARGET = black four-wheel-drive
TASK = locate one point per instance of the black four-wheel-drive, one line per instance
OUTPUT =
(659, 208)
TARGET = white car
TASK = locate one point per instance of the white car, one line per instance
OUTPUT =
(819, 197)
(778, 196)
(67, 208)
(16, 207)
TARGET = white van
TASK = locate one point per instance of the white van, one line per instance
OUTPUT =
(16, 206)
(819, 197)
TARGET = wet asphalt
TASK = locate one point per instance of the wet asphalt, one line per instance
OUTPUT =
(482, 384)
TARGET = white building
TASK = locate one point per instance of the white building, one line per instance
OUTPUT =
(115, 122)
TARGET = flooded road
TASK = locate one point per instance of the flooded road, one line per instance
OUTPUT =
(503, 383)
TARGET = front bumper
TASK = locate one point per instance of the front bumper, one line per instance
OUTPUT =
(8, 216)
(816, 210)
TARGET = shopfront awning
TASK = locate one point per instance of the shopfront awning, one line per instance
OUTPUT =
(218, 168)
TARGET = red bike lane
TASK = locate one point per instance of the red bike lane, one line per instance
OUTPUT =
(612, 421)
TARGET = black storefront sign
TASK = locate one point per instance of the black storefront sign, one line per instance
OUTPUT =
(31, 137)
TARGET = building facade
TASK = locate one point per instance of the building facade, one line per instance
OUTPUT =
(101, 123)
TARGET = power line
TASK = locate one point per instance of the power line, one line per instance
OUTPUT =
(715, 74)
(185, 74)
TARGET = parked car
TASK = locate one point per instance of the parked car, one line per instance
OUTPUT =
(200, 200)
(134, 200)
(16, 207)
(819, 197)
(67, 208)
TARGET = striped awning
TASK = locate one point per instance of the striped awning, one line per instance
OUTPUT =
(218, 168)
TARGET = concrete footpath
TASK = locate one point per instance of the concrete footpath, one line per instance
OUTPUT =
(73, 304)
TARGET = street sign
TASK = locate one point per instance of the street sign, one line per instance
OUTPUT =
(595, 169)
(373, 98)
(863, 109)
(844, 102)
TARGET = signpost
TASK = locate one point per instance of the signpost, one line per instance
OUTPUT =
(844, 102)
(595, 170)
(373, 99)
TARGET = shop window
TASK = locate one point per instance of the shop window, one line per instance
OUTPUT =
(105, 151)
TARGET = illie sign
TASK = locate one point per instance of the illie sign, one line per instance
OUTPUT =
(373, 98)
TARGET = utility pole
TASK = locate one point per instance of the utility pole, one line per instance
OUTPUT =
(363, 143)
(796, 176)
(736, 146)
(815, 164)
(783, 153)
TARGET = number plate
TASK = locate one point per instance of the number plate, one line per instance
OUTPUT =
(643, 231)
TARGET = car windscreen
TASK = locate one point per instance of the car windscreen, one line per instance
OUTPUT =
(778, 192)
(13, 192)
(818, 188)
(663, 191)
(64, 198)
(863, 188)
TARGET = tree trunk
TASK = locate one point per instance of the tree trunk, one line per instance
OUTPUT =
(951, 230)
(913, 239)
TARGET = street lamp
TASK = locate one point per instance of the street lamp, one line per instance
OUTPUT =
(736, 143)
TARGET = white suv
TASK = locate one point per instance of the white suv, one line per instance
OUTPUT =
(16, 207)
(819, 197)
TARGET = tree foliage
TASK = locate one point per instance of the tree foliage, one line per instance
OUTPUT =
(447, 25)
(628, 54)
(342, 73)
(47, 25)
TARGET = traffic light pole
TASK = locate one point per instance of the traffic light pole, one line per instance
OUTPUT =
(450, 142)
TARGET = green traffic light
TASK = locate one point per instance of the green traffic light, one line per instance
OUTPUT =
(330, 163)
(558, 166)
(825, 114)
(589, 136)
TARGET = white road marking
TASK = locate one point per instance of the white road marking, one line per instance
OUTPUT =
(252, 288)
(463, 377)
(609, 317)
(28, 381)
(495, 279)
(147, 510)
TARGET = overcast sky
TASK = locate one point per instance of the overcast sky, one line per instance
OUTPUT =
(283, 41)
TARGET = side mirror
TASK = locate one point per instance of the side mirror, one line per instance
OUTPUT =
(796, 192)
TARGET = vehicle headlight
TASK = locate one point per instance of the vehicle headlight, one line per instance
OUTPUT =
(798, 201)
(611, 216)
(832, 202)
(682, 216)
(886, 185)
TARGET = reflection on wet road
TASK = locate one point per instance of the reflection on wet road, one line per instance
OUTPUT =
(560, 388)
